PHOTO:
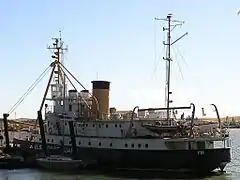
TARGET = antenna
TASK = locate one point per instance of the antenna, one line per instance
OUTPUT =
(58, 52)
(172, 24)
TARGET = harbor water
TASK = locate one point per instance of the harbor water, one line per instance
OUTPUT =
(232, 170)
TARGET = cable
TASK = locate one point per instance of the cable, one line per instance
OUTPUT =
(28, 90)
(157, 59)
(179, 67)
(182, 57)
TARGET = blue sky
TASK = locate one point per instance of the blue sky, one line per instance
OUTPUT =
(121, 42)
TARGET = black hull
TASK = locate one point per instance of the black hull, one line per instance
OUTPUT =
(11, 163)
(179, 160)
(205, 160)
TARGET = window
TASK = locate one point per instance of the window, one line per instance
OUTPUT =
(146, 145)
(110, 144)
(132, 145)
(115, 125)
(52, 140)
(99, 143)
(139, 145)
(126, 145)
(89, 143)
(70, 107)
(106, 125)
(79, 142)
(93, 125)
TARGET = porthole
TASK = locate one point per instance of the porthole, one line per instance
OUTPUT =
(132, 145)
(126, 145)
(139, 145)
(89, 143)
(146, 145)
(99, 143)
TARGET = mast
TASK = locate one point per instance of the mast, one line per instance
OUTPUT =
(58, 51)
(171, 24)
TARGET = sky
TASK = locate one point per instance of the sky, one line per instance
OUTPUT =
(120, 41)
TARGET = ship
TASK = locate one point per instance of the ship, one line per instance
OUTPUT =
(82, 123)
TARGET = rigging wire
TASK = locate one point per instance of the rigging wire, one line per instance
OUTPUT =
(180, 54)
(178, 64)
(157, 59)
(73, 84)
(28, 90)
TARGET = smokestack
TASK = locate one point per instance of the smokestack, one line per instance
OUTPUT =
(101, 92)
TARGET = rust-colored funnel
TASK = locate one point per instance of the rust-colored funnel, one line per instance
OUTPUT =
(101, 93)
